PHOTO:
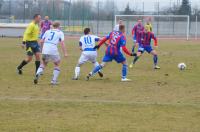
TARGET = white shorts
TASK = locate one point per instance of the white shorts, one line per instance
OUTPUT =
(86, 56)
(47, 58)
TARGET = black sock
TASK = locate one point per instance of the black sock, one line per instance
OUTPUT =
(37, 65)
(23, 63)
(135, 59)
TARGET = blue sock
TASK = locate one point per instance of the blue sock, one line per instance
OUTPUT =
(133, 49)
(155, 59)
(124, 71)
(96, 69)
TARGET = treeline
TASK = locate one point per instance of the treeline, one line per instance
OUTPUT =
(83, 9)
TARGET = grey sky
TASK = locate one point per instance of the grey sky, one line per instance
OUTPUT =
(149, 5)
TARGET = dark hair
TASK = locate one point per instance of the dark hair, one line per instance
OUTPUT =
(86, 31)
(35, 16)
(121, 27)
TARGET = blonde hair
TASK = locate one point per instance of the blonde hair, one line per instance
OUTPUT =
(56, 24)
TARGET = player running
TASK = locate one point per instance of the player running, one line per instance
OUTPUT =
(135, 31)
(89, 54)
(45, 25)
(144, 40)
(117, 40)
(50, 41)
(30, 40)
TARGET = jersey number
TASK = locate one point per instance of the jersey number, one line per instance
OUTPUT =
(52, 35)
(88, 40)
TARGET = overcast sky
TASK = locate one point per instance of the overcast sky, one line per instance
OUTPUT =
(149, 5)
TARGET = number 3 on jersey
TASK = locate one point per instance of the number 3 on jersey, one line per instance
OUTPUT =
(52, 35)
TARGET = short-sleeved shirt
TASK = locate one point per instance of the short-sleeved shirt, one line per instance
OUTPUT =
(116, 41)
(51, 40)
(32, 32)
(45, 26)
(88, 42)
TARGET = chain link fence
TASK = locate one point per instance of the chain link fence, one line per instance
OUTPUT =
(75, 15)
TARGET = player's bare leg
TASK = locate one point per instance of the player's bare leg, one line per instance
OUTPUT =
(124, 72)
(155, 59)
(23, 63)
(139, 54)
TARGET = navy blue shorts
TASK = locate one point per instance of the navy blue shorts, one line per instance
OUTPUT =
(118, 58)
(32, 47)
(146, 48)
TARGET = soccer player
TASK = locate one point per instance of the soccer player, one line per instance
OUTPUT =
(50, 41)
(45, 25)
(116, 28)
(135, 31)
(117, 40)
(87, 44)
(144, 40)
(30, 40)
(149, 25)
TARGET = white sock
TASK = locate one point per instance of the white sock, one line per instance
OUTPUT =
(77, 72)
(56, 73)
(40, 70)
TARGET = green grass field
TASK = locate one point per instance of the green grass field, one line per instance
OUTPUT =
(167, 100)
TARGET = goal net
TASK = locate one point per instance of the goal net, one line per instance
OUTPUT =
(164, 26)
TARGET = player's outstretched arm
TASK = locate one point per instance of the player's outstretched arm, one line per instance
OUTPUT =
(127, 51)
(103, 40)
(64, 48)
(155, 40)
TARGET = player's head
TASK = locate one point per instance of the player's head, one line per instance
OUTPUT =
(146, 28)
(87, 31)
(56, 25)
(122, 28)
(37, 18)
(46, 18)
(139, 22)
(120, 22)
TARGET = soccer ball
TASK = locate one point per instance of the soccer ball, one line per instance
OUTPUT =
(182, 66)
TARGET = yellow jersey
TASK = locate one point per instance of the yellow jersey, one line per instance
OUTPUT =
(32, 32)
(149, 27)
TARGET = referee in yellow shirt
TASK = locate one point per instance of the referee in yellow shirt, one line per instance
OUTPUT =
(30, 40)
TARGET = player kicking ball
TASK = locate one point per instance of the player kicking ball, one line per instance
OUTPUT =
(50, 41)
(89, 54)
(144, 40)
(116, 41)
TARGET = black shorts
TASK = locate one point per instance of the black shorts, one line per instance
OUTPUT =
(32, 47)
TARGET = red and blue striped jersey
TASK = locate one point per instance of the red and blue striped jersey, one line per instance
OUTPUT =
(136, 30)
(145, 38)
(116, 40)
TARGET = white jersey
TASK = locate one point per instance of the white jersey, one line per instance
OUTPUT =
(116, 28)
(87, 42)
(51, 40)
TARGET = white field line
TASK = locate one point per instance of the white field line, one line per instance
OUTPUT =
(100, 101)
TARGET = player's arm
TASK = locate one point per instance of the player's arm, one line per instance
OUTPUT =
(102, 41)
(80, 46)
(155, 40)
(63, 47)
(124, 48)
